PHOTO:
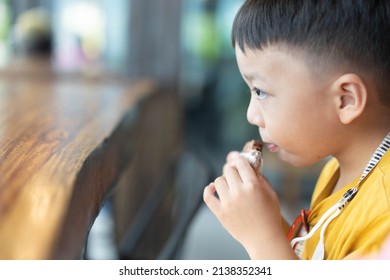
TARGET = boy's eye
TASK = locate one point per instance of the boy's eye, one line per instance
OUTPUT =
(260, 94)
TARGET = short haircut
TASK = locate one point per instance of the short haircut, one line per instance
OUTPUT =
(353, 33)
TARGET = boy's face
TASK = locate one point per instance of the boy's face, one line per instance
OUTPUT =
(294, 110)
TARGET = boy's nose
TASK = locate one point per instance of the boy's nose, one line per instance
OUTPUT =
(254, 115)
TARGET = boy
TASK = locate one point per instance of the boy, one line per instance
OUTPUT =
(318, 72)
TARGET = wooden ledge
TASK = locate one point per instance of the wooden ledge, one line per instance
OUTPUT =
(62, 147)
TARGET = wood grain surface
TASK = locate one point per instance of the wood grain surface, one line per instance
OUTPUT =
(63, 144)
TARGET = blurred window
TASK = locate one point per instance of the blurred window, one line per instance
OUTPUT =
(90, 34)
(79, 33)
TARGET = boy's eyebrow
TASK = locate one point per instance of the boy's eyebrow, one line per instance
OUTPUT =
(253, 76)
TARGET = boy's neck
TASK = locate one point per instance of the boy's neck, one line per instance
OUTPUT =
(356, 155)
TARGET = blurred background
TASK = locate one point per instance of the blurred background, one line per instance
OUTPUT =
(184, 45)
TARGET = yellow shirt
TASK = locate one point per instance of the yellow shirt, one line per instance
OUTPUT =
(364, 223)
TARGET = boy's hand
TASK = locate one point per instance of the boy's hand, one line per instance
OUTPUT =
(249, 209)
(247, 206)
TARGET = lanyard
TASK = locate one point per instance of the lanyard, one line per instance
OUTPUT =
(336, 209)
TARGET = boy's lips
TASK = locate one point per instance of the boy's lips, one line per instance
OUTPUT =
(272, 147)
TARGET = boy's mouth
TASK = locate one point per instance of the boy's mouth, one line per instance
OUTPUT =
(272, 147)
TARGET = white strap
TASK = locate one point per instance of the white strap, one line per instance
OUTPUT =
(320, 250)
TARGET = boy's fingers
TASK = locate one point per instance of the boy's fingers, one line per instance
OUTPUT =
(232, 155)
(221, 186)
(232, 176)
(209, 197)
(245, 170)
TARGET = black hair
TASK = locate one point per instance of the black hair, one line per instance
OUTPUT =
(344, 32)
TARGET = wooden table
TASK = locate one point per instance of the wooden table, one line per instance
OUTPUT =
(63, 144)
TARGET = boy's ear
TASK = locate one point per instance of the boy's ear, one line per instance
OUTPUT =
(351, 97)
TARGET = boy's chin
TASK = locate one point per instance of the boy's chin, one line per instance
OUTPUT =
(295, 161)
